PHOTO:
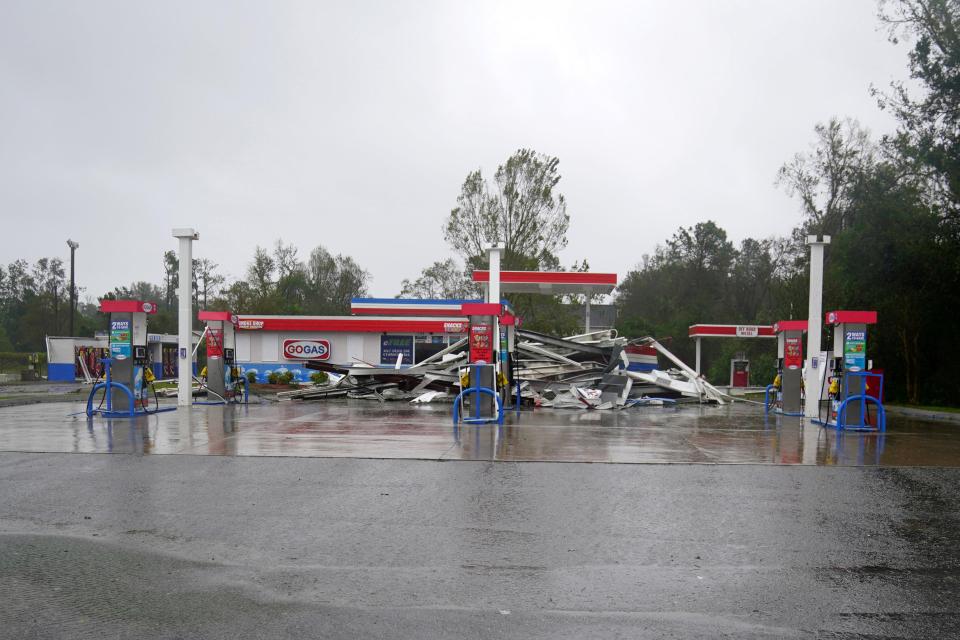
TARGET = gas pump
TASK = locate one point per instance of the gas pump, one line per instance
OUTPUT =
(789, 380)
(222, 376)
(484, 378)
(740, 371)
(127, 370)
(850, 382)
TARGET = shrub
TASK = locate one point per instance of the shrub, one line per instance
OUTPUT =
(319, 377)
(286, 377)
(273, 377)
(251, 377)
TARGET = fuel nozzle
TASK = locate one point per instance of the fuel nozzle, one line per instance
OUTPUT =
(834, 389)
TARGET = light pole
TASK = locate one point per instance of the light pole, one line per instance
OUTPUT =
(73, 289)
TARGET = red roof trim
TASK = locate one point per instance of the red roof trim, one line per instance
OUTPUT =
(549, 277)
(393, 311)
(349, 324)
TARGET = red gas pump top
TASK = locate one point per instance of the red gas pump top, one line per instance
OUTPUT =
(225, 316)
(127, 306)
(851, 317)
(490, 309)
(789, 325)
(481, 309)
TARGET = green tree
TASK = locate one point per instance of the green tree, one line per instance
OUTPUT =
(260, 277)
(443, 280)
(825, 177)
(207, 279)
(171, 278)
(891, 260)
(522, 209)
(687, 280)
(929, 123)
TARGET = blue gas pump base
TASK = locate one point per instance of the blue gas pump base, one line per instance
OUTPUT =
(234, 399)
(840, 424)
(108, 386)
(477, 391)
(768, 408)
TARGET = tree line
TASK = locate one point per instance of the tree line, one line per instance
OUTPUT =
(892, 208)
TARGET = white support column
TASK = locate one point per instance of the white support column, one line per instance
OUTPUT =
(493, 296)
(697, 368)
(586, 319)
(185, 317)
(493, 288)
(814, 326)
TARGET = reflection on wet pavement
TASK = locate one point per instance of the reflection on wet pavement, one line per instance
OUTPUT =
(735, 434)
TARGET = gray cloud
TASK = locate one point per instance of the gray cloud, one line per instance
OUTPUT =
(353, 125)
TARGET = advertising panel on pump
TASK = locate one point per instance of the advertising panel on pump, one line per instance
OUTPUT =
(793, 353)
(855, 350)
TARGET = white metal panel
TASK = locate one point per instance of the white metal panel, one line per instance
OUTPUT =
(269, 347)
(355, 350)
(243, 346)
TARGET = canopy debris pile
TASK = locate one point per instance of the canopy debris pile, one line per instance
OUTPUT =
(597, 370)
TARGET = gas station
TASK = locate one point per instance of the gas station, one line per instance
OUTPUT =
(403, 333)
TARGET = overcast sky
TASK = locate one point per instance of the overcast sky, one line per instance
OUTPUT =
(353, 124)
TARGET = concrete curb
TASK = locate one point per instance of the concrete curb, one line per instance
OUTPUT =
(923, 414)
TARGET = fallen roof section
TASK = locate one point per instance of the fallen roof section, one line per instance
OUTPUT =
(552, 282)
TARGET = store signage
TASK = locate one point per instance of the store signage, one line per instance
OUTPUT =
(251, 324)
(748, 331)
(855, 350)
(454, 327)
(306, 349)
(392, 347)
(792, 353)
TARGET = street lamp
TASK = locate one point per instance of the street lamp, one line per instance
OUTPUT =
(73, 290)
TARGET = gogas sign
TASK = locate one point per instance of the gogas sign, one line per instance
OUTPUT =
(306, 349)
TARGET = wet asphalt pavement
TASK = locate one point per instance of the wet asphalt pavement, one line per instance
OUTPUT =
(248, 545)
(733, 434)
